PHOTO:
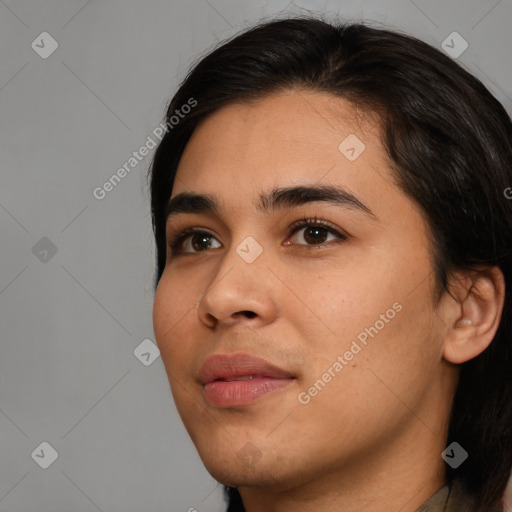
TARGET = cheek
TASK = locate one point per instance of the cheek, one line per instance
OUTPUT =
(344, 301)
(374, 380)
(378, 326)
(173, 306)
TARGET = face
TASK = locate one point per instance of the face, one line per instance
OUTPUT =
(323, 295)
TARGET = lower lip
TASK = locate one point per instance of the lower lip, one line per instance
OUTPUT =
(241, 392)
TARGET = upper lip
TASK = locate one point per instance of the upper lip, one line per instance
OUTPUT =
(232, 366)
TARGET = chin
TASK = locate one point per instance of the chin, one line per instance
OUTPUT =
(237, 474)
(235, 462)
(250, 467)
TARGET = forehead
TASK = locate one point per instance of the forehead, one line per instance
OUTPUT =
(294, 136)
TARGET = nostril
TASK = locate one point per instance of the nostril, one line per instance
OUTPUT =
(249, 314)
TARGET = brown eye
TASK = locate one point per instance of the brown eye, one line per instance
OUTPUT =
(201, 242)
(314, 233)
(191, 241)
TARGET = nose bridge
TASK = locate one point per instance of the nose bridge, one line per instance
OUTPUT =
(239, 283)
(241, 264)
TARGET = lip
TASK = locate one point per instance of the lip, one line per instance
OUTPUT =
(218, 374)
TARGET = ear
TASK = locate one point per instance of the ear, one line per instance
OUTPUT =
(473, 313)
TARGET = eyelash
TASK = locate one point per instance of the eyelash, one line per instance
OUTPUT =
(177, 240)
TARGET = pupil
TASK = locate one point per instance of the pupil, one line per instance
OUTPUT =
(202, 239)
(315, 235)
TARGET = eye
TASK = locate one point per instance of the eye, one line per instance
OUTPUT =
(315, 232)
(192, 240)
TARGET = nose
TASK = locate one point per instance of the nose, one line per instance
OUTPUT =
(239, 292)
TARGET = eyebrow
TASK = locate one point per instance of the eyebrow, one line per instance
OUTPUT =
(275, 199)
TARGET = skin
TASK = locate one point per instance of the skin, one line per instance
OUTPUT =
(371, 439)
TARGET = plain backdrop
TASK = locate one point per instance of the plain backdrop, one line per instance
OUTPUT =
(82, 85)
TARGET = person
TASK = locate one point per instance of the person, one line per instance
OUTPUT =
(333, 227)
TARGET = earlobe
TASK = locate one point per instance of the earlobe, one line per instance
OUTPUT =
(474, 320)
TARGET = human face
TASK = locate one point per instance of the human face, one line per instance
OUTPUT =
(344, 309)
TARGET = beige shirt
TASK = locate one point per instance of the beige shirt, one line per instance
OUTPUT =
(450, 499)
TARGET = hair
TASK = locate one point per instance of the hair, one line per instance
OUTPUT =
(449, 143)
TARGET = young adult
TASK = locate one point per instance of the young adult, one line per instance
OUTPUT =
(333, 222)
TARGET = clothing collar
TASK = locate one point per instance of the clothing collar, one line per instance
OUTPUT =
(450, 498)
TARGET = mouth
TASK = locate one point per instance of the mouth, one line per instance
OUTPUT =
(239, 379)
(245, 377)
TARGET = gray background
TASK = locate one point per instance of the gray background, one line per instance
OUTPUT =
(70, 321)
